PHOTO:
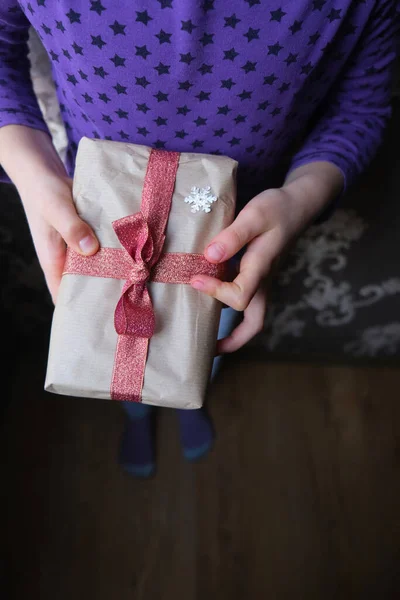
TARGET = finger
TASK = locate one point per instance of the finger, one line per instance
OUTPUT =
(51, 251)
(254, 266)
(250, 223)
(62, 216)
(251, 325)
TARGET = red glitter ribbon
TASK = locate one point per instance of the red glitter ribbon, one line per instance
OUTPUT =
(142, 237)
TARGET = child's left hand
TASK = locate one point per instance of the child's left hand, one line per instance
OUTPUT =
(266, 225)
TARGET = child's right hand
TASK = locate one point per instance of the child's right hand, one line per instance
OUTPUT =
(46, 193)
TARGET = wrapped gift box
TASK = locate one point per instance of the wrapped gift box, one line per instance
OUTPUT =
(127, 325)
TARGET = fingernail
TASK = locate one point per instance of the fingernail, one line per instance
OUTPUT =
(88, 244)
(197, 284)
(215, 252)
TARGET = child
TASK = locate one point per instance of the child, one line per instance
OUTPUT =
(245, 78)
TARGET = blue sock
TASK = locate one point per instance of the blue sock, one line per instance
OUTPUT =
(196, 431)
(137, 446)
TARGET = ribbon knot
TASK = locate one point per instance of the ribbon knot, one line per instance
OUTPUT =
(134, 314)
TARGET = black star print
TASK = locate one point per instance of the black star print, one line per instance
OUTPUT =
(143, 131)
(245, 95)
(124, 135)
(46, 29)
(160, 121)
(188, 26)
(120, 89)
(277, 15)
(72, 79)
(204, 69)
(104, 98)
(41, 2)
(306, 69)
(240, 119)
(270, 79)
(67, 54)
(231, 21)
(77, 49)
(181, 134)
(163, 37)
(275, 49)
(263, 105)
(60, 26)
(30, 8)
(284, 87)
(249, 66)
(185, 85)
(74, 17)
(107, 119)
(207, 39)
(276, 111)
(161, 97)
(159, 144)
(143, 17)
(200, 121)
(186, 58)
(118, 28)
(54, 56)
(165, 3)
(183, 110)
(223, 110)
(88, 99)
(202, 96)
(250, 149)
(256, 128)
(84, 117)
(82, 74)
(292, 58)
(252, 34)
(334, 14)
(208, 5)
(100, 72)
(142, 108)
(296, 27)
(313, 39)
(97, 6)
(142, 51)
(227, 83)
(98, 41)
(230, 54)
(197, 144)
(235, 141)
(219, 132)
(318, 4)
(122, 113)
(118, 61)
(142, 81)
(252, 3)
(162, 69)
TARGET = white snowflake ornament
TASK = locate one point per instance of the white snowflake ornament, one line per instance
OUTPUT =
(201, 199)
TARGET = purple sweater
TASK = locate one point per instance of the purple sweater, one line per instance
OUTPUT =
(256, 80)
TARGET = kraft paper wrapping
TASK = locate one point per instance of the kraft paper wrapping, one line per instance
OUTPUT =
(108, 186)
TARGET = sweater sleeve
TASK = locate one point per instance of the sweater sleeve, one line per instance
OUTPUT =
(352, 121)
(18, 104)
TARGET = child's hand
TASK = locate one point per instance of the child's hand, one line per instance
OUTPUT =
(54, 222)
(29, 158)
(266, 226)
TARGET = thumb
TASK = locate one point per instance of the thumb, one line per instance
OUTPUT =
(226, 244)
(77, 233)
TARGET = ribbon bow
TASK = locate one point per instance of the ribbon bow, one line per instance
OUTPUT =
(134, 314)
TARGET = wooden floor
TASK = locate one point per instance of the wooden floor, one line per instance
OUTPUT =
(299, 500)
